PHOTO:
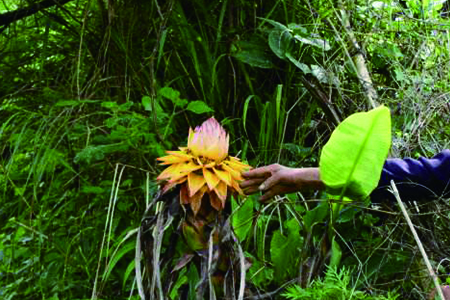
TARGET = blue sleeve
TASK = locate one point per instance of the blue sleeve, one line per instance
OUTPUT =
(416, 179)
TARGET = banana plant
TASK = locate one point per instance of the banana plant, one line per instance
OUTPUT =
(189, 247)
(350, 167)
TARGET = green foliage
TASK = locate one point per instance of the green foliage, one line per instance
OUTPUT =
(242, 218)
(285, 250)
(91, 92)
(364, 140)
(334, 286)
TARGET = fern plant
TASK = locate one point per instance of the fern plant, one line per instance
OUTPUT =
(334, 286)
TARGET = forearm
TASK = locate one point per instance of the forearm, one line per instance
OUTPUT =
(416, 178)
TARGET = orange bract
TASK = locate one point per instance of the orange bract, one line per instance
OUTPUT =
(203, 167)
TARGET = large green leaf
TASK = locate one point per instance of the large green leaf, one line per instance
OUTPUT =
(242, 218)
(279, 42)
(285, 251)
(280, 260)
(352, 160)
(252, 52)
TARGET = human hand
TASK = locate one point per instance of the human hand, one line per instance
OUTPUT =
(277, 179)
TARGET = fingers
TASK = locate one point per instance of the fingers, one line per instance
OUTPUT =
(251, 190)
(262, 172)
(251, 182)
(251, 186)
(269, 194)
(270, 182)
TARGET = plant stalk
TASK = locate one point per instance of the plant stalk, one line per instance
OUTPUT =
(419, 243)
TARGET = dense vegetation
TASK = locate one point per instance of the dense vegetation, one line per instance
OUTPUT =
(92, 92)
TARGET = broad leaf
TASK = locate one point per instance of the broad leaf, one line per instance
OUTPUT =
(147, 102)
(323, 44)
(276, 24)
(280, 260)
(252, 52)
(242, 218)
(199, 107)
(279, 42)
(284, 251)
(352, 160)
(305, 68)
(169, 93)
(315, 215)
(173, 95)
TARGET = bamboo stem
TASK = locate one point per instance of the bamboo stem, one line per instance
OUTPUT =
(358, 59)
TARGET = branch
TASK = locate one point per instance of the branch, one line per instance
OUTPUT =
(419, 243)
(18, 14)
(358, 59)
(322, 100)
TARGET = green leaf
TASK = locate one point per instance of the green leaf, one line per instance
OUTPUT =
(147, 103)
(87, 189)
(315, 215)
(322, 44)
(90, 153)
(130, 268)
(182, 279)
(118, 255)
(352, 160)
(173, 95)
(253, 53)
(242, 218)
(199, 107)
(336, 254)
(193, 277)
(259, 274)
(284, 251)
(278, 256)
(298, 64)
(74, 102)
(169, 93)
(279, 42)
(110, 105)
(180, 102)
(125, 106)
(193, 238)
(275, 24)
(68, 103)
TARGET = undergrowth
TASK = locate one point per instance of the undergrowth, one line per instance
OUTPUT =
(91, 92)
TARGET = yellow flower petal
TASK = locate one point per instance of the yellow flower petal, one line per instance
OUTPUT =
(224, 176)
(237, 188)
(211, 179)
(221, 191)
(235, 174)
(237, 165)
(189, 167)
(196, 200)
(169, 172)
(174, 159)
(195, 183)
(170, 184)
(210, 165)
